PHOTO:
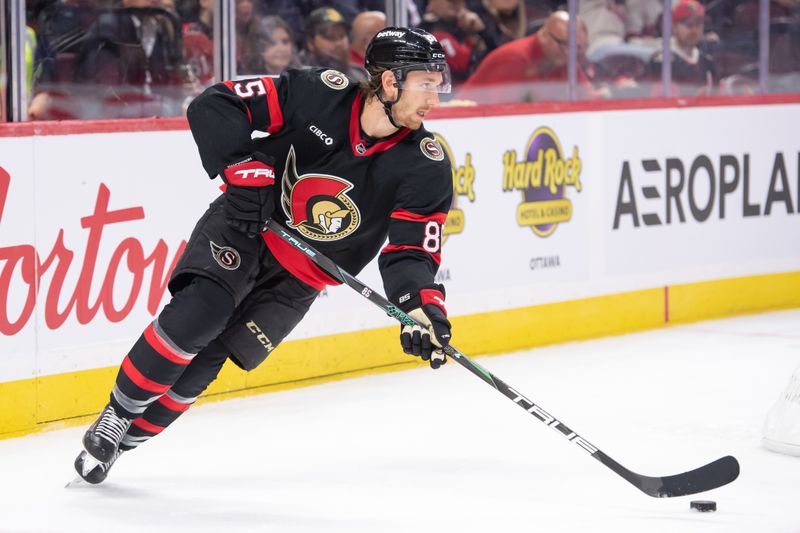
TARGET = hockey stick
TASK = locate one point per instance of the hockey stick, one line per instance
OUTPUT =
(707, 477)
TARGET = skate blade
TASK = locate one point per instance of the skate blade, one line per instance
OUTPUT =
(77, 482)
(89, 463)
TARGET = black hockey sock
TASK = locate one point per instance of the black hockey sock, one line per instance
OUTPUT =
(169, 407)
(194, 317)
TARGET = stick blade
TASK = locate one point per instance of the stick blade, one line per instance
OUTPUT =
(711, 476)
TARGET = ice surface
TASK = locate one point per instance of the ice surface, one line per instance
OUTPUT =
(442, 452)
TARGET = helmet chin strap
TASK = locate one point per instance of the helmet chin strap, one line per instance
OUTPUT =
(387, 107)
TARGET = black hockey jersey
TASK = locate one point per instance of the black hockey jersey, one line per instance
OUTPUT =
(335, 187)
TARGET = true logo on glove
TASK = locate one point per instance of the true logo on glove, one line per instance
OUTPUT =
(225, 256)
(255, 173)
(250, 173)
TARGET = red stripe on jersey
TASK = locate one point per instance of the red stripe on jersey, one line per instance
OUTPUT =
(161, 346)
(432, 297)
(296, 263)
(142, 382)
(402, 214)
(389, 248)
(141, 423)
(273, 105)
(172, 405)
(355, 133)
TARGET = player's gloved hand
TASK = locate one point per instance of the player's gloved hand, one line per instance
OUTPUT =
(428, 342)
(248, 195)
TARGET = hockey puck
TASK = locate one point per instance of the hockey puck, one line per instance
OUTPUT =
(704, 506)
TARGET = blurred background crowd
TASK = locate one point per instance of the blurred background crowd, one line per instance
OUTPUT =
(142, 58)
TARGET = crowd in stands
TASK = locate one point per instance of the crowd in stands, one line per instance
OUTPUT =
(134, 58)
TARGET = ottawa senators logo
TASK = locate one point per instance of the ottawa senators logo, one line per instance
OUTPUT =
(225, 256)
(317, 205)
(431, 149)
(335, 79)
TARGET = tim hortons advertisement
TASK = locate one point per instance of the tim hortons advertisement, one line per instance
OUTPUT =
(91, 227)
(17, 261)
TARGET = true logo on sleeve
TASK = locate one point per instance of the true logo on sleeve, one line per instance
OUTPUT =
(225, 256)
(335, 79)
(432, 149)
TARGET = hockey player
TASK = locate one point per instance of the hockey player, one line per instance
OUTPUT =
(344, 166)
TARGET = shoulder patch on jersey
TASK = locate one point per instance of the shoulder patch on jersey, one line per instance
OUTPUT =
(432, 149)
(334, 79)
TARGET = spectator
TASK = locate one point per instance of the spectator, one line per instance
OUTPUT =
(327, 42)
(349, 9)
(365, 26)
(642, 24)
(131, 63)
(198, 43)
(136, 45)
(693, 71)
(605, 22)
(271, 48)
(505, 20)
(530, 69)
(292, 12)
(246, 18)
(461, 33)
(537, 11)
(784, 49)
(201, 18)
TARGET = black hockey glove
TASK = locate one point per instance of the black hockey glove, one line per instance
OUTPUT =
(428, 308)
(248, 196)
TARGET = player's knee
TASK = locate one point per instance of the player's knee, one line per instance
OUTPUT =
(197, 314)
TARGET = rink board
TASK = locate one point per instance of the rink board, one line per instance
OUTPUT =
(564, 226)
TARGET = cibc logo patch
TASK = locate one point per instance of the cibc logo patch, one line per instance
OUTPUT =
(225, 256)
(544, 176)
(335, 79)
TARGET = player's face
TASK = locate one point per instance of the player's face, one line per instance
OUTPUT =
(419, 96)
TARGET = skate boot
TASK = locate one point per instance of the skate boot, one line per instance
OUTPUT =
(91, 470)
(102, 438)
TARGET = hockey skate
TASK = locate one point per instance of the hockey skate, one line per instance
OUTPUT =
(91, 470)
(102, 438)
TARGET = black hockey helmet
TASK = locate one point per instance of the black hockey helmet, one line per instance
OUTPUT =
(402, 50)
